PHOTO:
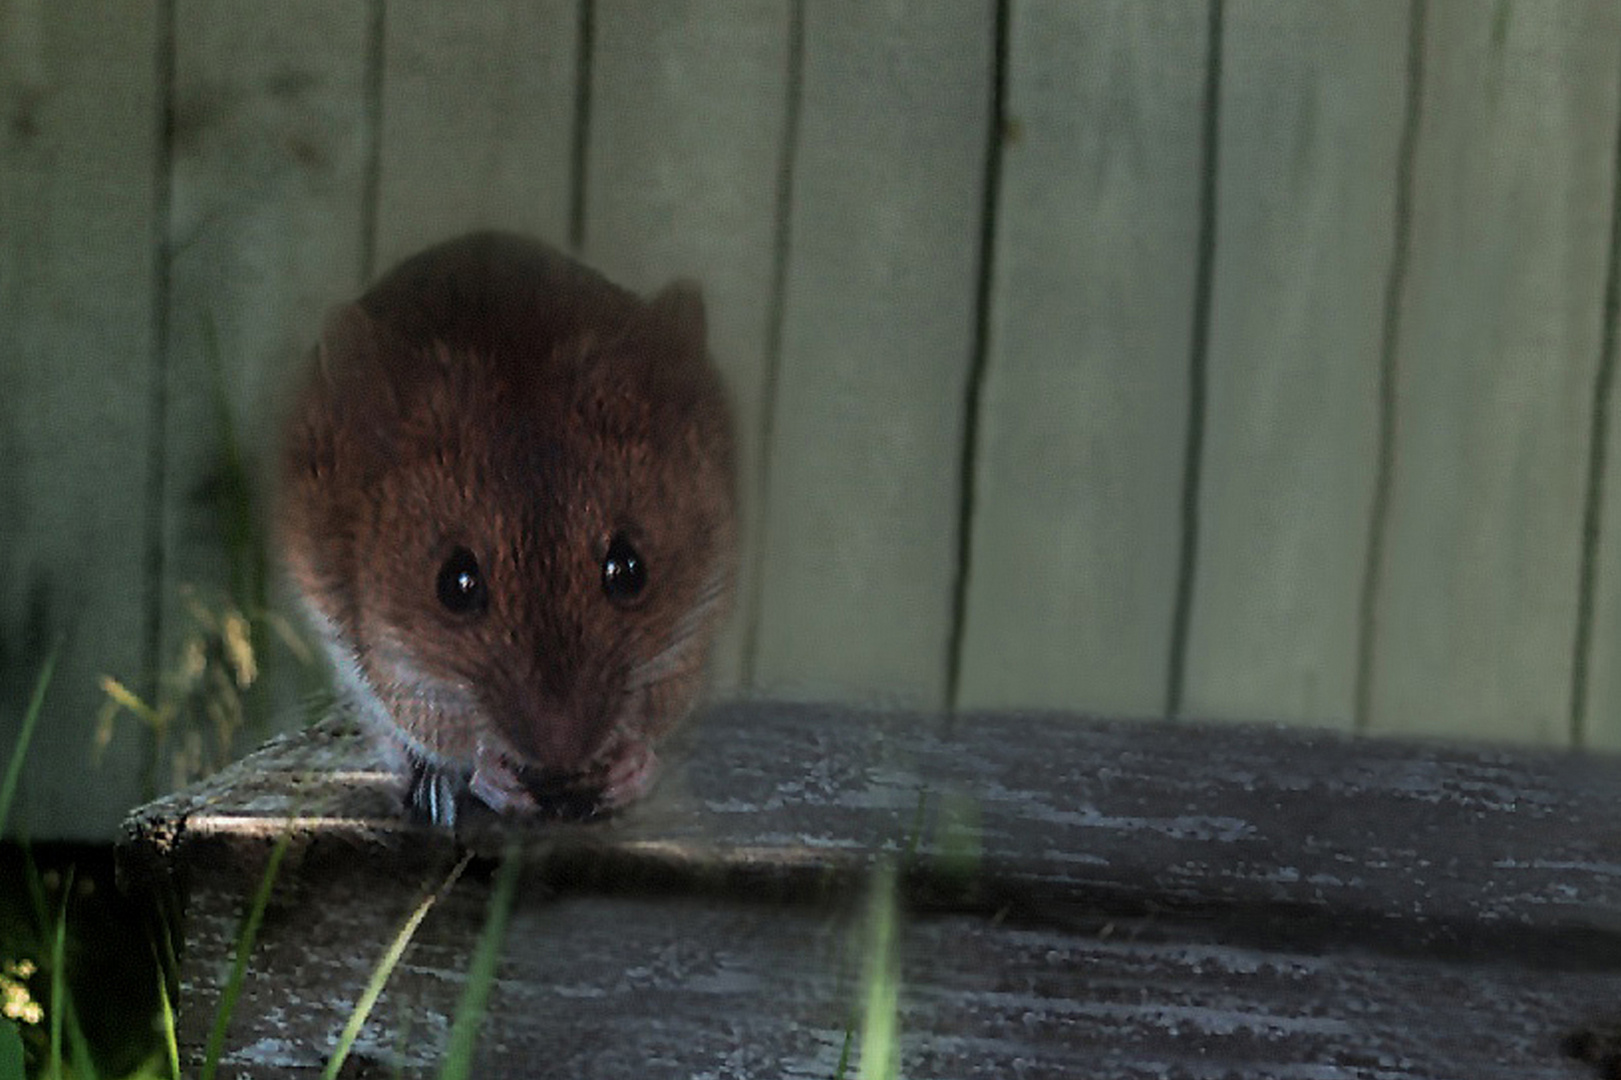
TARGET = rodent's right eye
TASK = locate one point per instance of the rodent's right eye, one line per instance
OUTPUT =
(461, 583)
(624, 575)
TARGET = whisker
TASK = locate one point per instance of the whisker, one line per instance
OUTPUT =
(666, 664)
(686, 637)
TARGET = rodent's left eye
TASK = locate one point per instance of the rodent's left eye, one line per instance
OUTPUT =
(624, 575)
(460, 584)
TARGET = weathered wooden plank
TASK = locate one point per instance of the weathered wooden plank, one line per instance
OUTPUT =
(269, 153)
(1143, 899)
(689, 109)
(79, 146)
(1499, 335)
(477, 121)
(859, 548)
(1076, 533)
(1306, 827)
(1311, 115)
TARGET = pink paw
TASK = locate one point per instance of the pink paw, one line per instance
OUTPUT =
(630, 774)
(496, 783)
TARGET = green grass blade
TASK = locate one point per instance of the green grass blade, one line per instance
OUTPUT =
(58, 983)
(481, 972)
(11, 1052)
(63, 1018)
(14, 770)
(385, 968)
(244, 946)
(880, 1026)
(36, 893)
(843, 1068)
(171, 1045)
(161, 943)
(84, 1062)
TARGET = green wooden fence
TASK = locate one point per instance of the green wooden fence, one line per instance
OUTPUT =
(1242, 359)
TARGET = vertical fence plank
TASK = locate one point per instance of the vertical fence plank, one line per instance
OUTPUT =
(859, 541)
(78, 156)
(1499, 335)
(1601, 715)
(270, 150)
(477, 121)
(1076, 519)
(689, 108)
(1312, 106)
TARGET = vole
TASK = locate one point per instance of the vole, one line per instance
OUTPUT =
(506, 500)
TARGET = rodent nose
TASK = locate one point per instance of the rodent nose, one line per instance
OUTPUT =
(559, 738)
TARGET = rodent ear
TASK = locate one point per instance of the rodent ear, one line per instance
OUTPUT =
(361, 362)
(677, 315)
(349, 342)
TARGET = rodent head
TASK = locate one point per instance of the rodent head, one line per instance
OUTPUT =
(519, 537)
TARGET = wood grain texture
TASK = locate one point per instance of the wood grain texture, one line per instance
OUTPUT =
(1077, 492)
(1312, 105)
(1155, 899)
(79, 124)
(264, 237)
(1499, 335)
(690, 106)
(859, 548)
(477, 121)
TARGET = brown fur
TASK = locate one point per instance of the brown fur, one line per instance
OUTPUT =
(492, 394)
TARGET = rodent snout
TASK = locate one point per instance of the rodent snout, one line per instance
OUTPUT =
(551, 735)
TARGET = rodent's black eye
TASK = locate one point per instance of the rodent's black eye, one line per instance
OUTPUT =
(461, 583)
(624, 575)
